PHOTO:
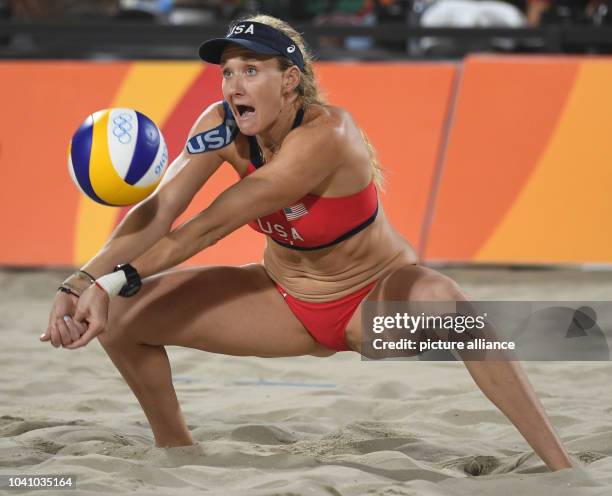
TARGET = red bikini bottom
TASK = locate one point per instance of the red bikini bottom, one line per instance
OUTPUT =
(326, 322)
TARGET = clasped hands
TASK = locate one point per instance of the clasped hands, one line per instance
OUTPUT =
(75, 321)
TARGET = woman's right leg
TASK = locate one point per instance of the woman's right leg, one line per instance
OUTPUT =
(230, 310)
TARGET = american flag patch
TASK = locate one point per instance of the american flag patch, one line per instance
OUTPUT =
(295, 211)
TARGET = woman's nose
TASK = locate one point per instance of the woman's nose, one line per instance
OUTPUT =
(235, 86)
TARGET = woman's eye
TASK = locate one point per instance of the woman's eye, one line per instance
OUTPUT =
(251, 71)
(226, 73)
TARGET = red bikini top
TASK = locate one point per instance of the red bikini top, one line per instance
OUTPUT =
(316, 222)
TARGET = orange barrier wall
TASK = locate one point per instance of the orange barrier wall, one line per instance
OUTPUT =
(46, 221)
(524, 175)
(527, 175)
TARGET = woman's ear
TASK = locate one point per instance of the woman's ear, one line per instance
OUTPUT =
(291, 79)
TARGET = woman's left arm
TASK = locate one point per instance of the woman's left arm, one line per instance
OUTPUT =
(507, 386)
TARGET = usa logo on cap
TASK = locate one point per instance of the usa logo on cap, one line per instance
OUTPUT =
(239, 29)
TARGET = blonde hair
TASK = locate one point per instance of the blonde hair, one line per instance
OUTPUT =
(308, 90)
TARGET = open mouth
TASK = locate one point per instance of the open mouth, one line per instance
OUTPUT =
(245, 110)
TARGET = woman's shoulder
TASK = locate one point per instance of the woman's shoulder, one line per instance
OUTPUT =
(327, 115)
(214, 129)
(330, 121)
(212, 116)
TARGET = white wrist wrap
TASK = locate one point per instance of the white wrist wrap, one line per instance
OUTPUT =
(113, 282)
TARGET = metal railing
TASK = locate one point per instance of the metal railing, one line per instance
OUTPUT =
(127, 40)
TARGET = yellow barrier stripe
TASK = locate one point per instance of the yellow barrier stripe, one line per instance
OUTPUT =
(153, 88)
(563, 212)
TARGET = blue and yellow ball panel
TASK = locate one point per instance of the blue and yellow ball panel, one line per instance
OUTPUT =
(79, 154)
(147, 139)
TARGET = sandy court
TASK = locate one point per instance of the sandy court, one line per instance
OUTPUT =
(298, 426)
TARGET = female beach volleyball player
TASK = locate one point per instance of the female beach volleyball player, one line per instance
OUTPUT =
(309, 182)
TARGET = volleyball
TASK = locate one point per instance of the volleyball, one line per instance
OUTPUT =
(117, 156)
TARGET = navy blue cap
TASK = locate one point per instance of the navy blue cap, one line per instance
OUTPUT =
(255, 36)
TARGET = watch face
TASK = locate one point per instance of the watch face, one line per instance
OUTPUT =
(129, 290)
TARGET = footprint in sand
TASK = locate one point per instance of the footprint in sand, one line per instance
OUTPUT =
(473, 465)
(589, 456)
(45, 445)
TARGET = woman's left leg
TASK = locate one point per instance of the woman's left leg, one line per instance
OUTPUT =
(503, 382)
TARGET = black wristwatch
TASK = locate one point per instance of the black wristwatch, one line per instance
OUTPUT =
(133, 284)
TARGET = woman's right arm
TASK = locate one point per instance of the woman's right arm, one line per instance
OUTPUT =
(143, 226)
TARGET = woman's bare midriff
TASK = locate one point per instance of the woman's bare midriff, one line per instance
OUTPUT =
(332, 273)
